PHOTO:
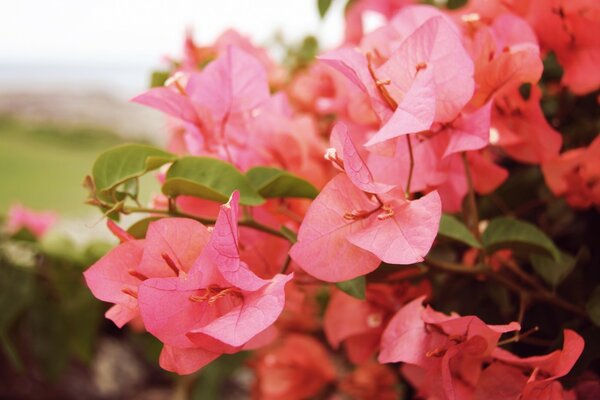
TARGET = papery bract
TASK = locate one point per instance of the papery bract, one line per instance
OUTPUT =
(218, 307)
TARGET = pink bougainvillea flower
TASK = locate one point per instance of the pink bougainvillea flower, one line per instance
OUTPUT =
(296, 368)
(506, 54)
(171, 246)
(38, 223)
(217, 306)
(542, 372)
(575, 174)
(434, 45)
(444, 353)
(347, 231)
(217, 104)
(429, 77)
(570, 29)
(371, 381)
(522, 130)
(358, 324)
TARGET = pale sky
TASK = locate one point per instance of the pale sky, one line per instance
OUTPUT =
(121, 32)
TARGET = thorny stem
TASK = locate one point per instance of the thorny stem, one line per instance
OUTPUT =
(247, 222)
(473, 216)
(411, 167)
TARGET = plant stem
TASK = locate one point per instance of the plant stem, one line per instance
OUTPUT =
(472, 215)
(539, 294)
(411, 167)
(250, 223)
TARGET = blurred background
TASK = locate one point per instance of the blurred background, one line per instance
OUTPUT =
(67, 70)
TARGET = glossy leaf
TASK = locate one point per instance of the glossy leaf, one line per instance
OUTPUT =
(553, 271)
(210, 179)
(122, 163)
(354, 287)
(517, 235)
(272, 182)
(452, 228)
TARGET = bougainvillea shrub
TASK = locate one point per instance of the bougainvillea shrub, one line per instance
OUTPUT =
(413, 213)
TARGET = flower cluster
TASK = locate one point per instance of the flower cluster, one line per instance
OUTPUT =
(390, 130)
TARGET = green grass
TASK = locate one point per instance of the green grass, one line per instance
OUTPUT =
(43, 165)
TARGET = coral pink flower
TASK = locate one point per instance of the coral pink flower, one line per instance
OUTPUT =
(38, 223)
(444, 353)
(575, 174)
(217, 306)
(540, 373)
(358, 324)
(171, 246)
(371, 381)
(347, 231)
(296, 368)
(522, 129)
(190, 288)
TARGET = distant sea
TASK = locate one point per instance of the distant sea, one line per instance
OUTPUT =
(120, 81)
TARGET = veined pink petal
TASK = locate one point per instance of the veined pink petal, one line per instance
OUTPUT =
(470, 131)
(234, 83)
(415, 112)
(122, 314)
(259, 310)
(222, 250)
(185, 361)
(180, 239)
(354, 165)
(170, 102)
(434, 45)
(109, 276)
(168, 311)
(405, 338)
(354, 66)
(322, 249)
(406, 236)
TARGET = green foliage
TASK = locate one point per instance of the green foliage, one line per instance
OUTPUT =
(593, 306)
(323, 6)
(210, 179)
(452, 228)
(517, 235)
(138, 229)
(122, 163)
(158, 78)
(356, 287)
(47, 316)
(553, 271)
(272, 182)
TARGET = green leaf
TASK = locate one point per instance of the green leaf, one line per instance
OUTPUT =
(323, 6)
(289, 234)
(452, 228)
(138, 229)
(553, 271)
(158, 78)
(122, 163)
(209, 178)
(356, 287)
(272, 182)
(517, 235)
(593, 306)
